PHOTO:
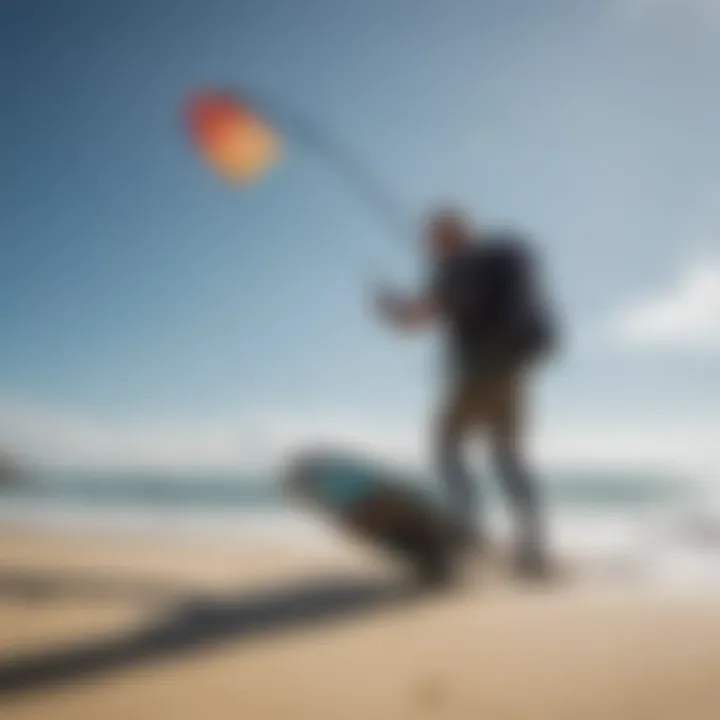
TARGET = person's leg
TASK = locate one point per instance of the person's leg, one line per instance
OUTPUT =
(506, 420)
(452, 426)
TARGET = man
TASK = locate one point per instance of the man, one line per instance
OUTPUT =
(485, 294)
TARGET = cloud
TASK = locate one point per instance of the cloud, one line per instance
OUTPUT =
(666, 445)
(263, 442)
(59, 438)
(685, 316)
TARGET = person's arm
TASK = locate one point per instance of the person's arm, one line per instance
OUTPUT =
(407, 313)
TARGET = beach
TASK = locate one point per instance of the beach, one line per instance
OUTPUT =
(118, 627)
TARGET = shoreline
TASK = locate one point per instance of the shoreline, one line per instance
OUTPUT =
(603, 549)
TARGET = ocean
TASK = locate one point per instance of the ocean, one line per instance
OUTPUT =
(665, 527)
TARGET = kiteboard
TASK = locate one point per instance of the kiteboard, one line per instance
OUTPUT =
(379, 505)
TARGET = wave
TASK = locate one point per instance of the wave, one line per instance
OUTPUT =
(645, 527)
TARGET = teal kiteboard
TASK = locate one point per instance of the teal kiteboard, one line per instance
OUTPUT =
(387, 508)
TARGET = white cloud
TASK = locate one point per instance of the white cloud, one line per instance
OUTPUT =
(672, 444)
(62, 439)
(66, 439)
(685, 316)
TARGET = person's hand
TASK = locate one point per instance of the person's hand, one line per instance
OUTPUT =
(387, 303)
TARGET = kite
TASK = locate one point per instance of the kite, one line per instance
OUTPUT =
(236, 143)
(237, 133)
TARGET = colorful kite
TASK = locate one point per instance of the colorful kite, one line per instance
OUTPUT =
(235, 142)
(240, 144)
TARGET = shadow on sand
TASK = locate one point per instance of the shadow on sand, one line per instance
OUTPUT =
(191, 623)
(35, 587)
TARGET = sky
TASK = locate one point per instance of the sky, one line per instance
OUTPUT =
(152, 315)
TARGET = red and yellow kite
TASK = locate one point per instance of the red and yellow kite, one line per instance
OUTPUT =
(235, 142)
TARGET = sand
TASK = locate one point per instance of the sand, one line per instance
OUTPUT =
(116, 628)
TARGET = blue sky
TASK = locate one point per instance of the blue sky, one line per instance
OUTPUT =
(137, 291)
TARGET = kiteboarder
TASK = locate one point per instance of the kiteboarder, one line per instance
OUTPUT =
(485, 292)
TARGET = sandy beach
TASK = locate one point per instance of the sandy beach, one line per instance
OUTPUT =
(118, 628)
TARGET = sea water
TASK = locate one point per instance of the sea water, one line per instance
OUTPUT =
(648, 525)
